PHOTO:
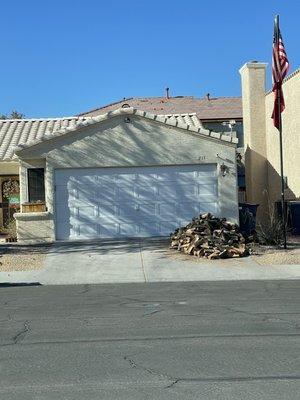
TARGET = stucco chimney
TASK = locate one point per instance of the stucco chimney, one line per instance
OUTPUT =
(253, 76)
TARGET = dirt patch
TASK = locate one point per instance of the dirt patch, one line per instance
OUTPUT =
(21, 262)
(266, 255)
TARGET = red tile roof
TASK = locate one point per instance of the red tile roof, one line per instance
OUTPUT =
(218, 108)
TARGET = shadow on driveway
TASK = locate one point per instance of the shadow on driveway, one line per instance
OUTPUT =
(96, 246)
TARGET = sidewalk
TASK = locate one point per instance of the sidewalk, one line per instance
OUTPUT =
(147, 260)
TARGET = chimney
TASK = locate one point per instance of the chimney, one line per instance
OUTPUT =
(253, 76)
(167, 93)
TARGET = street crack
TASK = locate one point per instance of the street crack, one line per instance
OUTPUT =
(20, 335)
(153, 372)
(172, 383)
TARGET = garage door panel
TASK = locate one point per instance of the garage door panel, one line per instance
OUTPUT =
(166, 227)
(146, 209)
(84, 195)
(169, 192)
(125, 178)
(85, 180)
(188, 210)
(87, 230)
(143, 192)
(107, 210)
(86, 212)
(149, 228)
(129, 230)
(109, 229)
(106, 193)
(208, 189)
(209, 207)
(146, 179)
(167, 211)
(125, 192)
(136, 211)
(208, 170)
(177, 177)
(137, 201)
(185, 191)
(103, 180)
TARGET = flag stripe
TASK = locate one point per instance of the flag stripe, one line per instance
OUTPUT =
(280, 67)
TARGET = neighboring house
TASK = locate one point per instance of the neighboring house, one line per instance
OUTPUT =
(261, 138)
(12, 133)
(123, 173)
(215, 113)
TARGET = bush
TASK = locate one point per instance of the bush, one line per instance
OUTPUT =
(271, 232)
(10, 229)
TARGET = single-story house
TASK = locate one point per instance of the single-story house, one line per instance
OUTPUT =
(217, 114)
(122, 173)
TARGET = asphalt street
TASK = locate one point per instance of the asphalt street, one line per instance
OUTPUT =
(204, 340)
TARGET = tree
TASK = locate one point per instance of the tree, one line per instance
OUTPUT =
(13, 115)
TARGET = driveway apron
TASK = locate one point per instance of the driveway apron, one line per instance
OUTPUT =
(139, 260)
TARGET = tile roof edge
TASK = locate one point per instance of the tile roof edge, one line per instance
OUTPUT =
(116, 113)
(176, 114)
(107, 105)
(41, 119)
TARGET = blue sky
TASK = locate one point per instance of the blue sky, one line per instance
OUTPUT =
(62, 57)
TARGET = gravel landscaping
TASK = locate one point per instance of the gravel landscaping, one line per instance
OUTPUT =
(21, 258)
(21, 262)
(263, 255)
(266, 256)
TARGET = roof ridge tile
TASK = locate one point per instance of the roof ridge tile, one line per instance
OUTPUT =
(119, 112)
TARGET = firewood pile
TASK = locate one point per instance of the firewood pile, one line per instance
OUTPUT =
(210, 237)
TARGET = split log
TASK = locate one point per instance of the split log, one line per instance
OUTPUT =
(210, 237)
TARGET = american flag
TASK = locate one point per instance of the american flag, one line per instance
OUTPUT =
(280, 67)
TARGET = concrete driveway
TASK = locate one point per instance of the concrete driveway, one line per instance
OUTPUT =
(139, 260)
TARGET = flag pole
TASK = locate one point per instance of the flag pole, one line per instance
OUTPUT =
(281, 153)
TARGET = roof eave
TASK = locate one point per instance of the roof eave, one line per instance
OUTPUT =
(120, 112)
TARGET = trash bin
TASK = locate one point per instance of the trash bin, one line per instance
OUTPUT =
(294, 211)
(247, 215)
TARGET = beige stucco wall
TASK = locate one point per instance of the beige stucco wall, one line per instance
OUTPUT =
(35, 227)
(141, 142)
(291, 141)
(9, 168)
(262, 154)
(253, 97)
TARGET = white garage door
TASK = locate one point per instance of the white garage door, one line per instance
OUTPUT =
(132, 202)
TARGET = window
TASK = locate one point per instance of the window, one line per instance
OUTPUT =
(36, 185)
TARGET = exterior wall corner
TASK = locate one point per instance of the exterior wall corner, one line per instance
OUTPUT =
(254, 111)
